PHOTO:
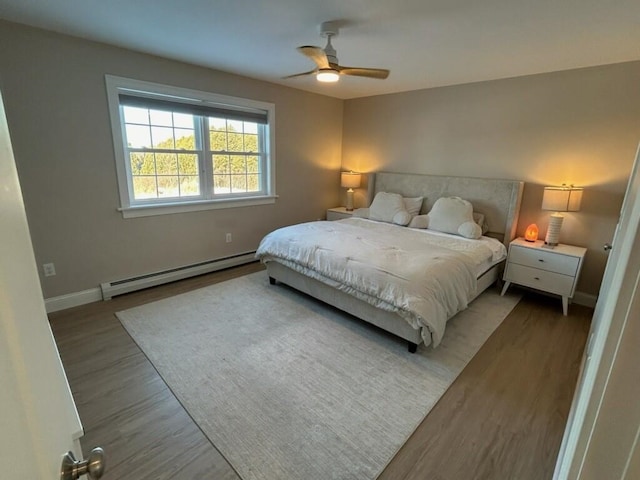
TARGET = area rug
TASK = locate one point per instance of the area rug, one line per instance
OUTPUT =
(289, 388)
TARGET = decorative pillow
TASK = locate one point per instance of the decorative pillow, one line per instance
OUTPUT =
(413, 205)
(401, 218)
(448, 213)
(479, 219)
(470, 230)
(419, 221)
(390, 208)
(361, 213)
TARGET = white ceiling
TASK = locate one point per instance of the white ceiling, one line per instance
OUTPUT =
(425, 43)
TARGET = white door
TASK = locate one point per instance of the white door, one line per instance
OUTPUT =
(601, 438)
(38, 419)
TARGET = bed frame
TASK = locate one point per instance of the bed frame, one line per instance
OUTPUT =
(499, 200)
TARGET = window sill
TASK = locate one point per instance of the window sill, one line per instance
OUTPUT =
(196, 206)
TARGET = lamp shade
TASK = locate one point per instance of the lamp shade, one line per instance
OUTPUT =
(350, 180)
(562, 199)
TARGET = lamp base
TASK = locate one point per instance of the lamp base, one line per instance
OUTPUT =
(553, 231)
(349, 206)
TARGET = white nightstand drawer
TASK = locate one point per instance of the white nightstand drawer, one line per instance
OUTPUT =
(541, 279)
(550, 261)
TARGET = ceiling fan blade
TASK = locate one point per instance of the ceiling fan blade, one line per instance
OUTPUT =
(310, 72)
(379, 73)
(316, 54)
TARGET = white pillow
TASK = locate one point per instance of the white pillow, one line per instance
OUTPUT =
(419, 221)
(413, 205)
(361, 213)
(401, 218)
(479, 219)
(390, 208)
(449, 213)
(470, 230)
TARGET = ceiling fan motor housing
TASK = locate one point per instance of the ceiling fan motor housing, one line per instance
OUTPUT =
(328, 30)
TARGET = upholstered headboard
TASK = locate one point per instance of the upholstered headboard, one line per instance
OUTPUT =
(499, 200)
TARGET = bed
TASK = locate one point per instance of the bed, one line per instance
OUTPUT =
(374, 270)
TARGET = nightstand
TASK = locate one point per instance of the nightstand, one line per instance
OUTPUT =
(552, 270)
(338, 213)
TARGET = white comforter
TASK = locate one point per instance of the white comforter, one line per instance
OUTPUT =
(425, 278)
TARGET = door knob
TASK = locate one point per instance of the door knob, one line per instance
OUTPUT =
(92, 466)
(607, 247)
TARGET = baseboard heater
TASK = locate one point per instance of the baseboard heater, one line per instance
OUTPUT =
(118, 287)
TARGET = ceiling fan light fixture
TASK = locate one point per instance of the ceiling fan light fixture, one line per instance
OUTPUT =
(327, 75)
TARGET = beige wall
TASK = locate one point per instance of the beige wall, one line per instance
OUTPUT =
(578, 126)
(56, 104)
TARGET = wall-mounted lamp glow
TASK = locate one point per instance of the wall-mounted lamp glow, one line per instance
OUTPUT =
(350, 180)
(566, 198)
(328, 75)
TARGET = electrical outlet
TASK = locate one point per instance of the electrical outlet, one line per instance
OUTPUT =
(228, 238)
(49, 269)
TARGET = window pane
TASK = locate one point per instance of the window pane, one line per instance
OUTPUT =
(218, 123)
(251, 143)
(250, 127)
(162, 137)
(137, 163)
(166, 164)
(144, 187)
(253, 183)
(218, 140)
(238, 183)
(187, 164)
(135, 115)
(234, 126)
(238, 164)
(189, 186)
(168, 187)
(138, 136)
(185, 139)
(221, 184)
(234, 142)
(221, 164)
(160, 117)
(183, 120)
(253, 164)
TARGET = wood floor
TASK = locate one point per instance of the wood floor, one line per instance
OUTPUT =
(503, 418)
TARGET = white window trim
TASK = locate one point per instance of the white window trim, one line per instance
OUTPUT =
(115, 85)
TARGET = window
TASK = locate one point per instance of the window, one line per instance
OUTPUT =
(182, 150)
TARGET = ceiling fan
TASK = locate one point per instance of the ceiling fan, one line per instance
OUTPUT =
(328, 69)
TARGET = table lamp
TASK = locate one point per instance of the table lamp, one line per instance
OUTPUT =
(566, 198)
(349, 180)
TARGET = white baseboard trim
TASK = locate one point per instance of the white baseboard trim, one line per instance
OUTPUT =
(76, 299)
(70, 300)
(585, 299)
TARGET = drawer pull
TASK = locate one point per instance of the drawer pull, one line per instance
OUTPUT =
(541, 260)
(536, 278)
